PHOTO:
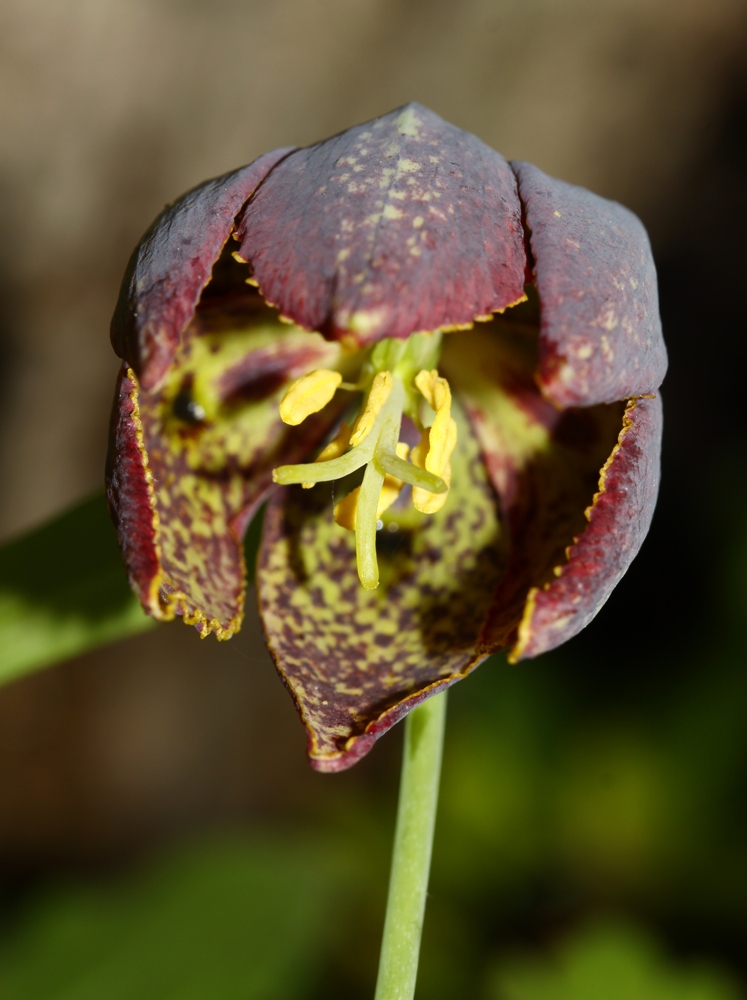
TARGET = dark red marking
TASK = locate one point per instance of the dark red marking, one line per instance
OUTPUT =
(407, 220)
(600, 333)
(172, 264)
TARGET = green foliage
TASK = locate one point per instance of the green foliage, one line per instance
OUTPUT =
(231, 921)
(63, 590)
(611, 961)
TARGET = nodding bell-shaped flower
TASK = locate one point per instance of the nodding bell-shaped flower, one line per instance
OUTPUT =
(439, 372)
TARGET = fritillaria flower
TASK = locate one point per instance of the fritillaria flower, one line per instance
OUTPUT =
(439, 372)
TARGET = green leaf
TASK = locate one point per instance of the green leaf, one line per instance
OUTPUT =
(226, 921)
(63, 590)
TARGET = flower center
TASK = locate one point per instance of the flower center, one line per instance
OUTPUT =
(398, 378)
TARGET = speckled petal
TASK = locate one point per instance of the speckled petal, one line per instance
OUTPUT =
(357, 660)
(130, 493)
(172, 264)
(402, 224)
(544, 463)
(618, 521)
(191, 459)
(601, 336)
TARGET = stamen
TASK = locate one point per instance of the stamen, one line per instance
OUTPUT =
(308, 395)
(378, 394)
(438, 442)
(337, 468)
(374, 441)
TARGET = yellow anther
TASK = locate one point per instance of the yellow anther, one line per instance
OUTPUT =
(435, 389)
(378, 394)
(434, 451)
(346, 509)
(308, 395)
(336, 447)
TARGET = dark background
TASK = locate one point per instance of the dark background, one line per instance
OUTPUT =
(603, 786)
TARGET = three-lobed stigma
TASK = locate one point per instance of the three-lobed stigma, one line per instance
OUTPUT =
(398, 379)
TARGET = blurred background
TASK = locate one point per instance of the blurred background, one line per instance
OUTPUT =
(161, 834)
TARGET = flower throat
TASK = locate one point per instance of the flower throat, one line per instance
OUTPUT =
(399, 378)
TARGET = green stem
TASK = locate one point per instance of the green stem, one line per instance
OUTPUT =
(411, 859)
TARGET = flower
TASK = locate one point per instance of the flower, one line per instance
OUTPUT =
(479, 341)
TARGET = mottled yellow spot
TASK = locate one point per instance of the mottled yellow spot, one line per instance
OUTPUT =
(418, 221)
(557, 213)
(409, 124)
(378, 394)
(366, 321)
(607, 351)
(609, 321)
(406, 166)
(346, 509)
(434, 451)
(336, 447)
(392, 212)
(308, 395)
(560, 623)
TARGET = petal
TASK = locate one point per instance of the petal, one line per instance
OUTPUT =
(619, 519)
(544, 463)
(600, 337)
(191, 459)
(357, 660)
(172, 264)
(402, 224)
(130, 493)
